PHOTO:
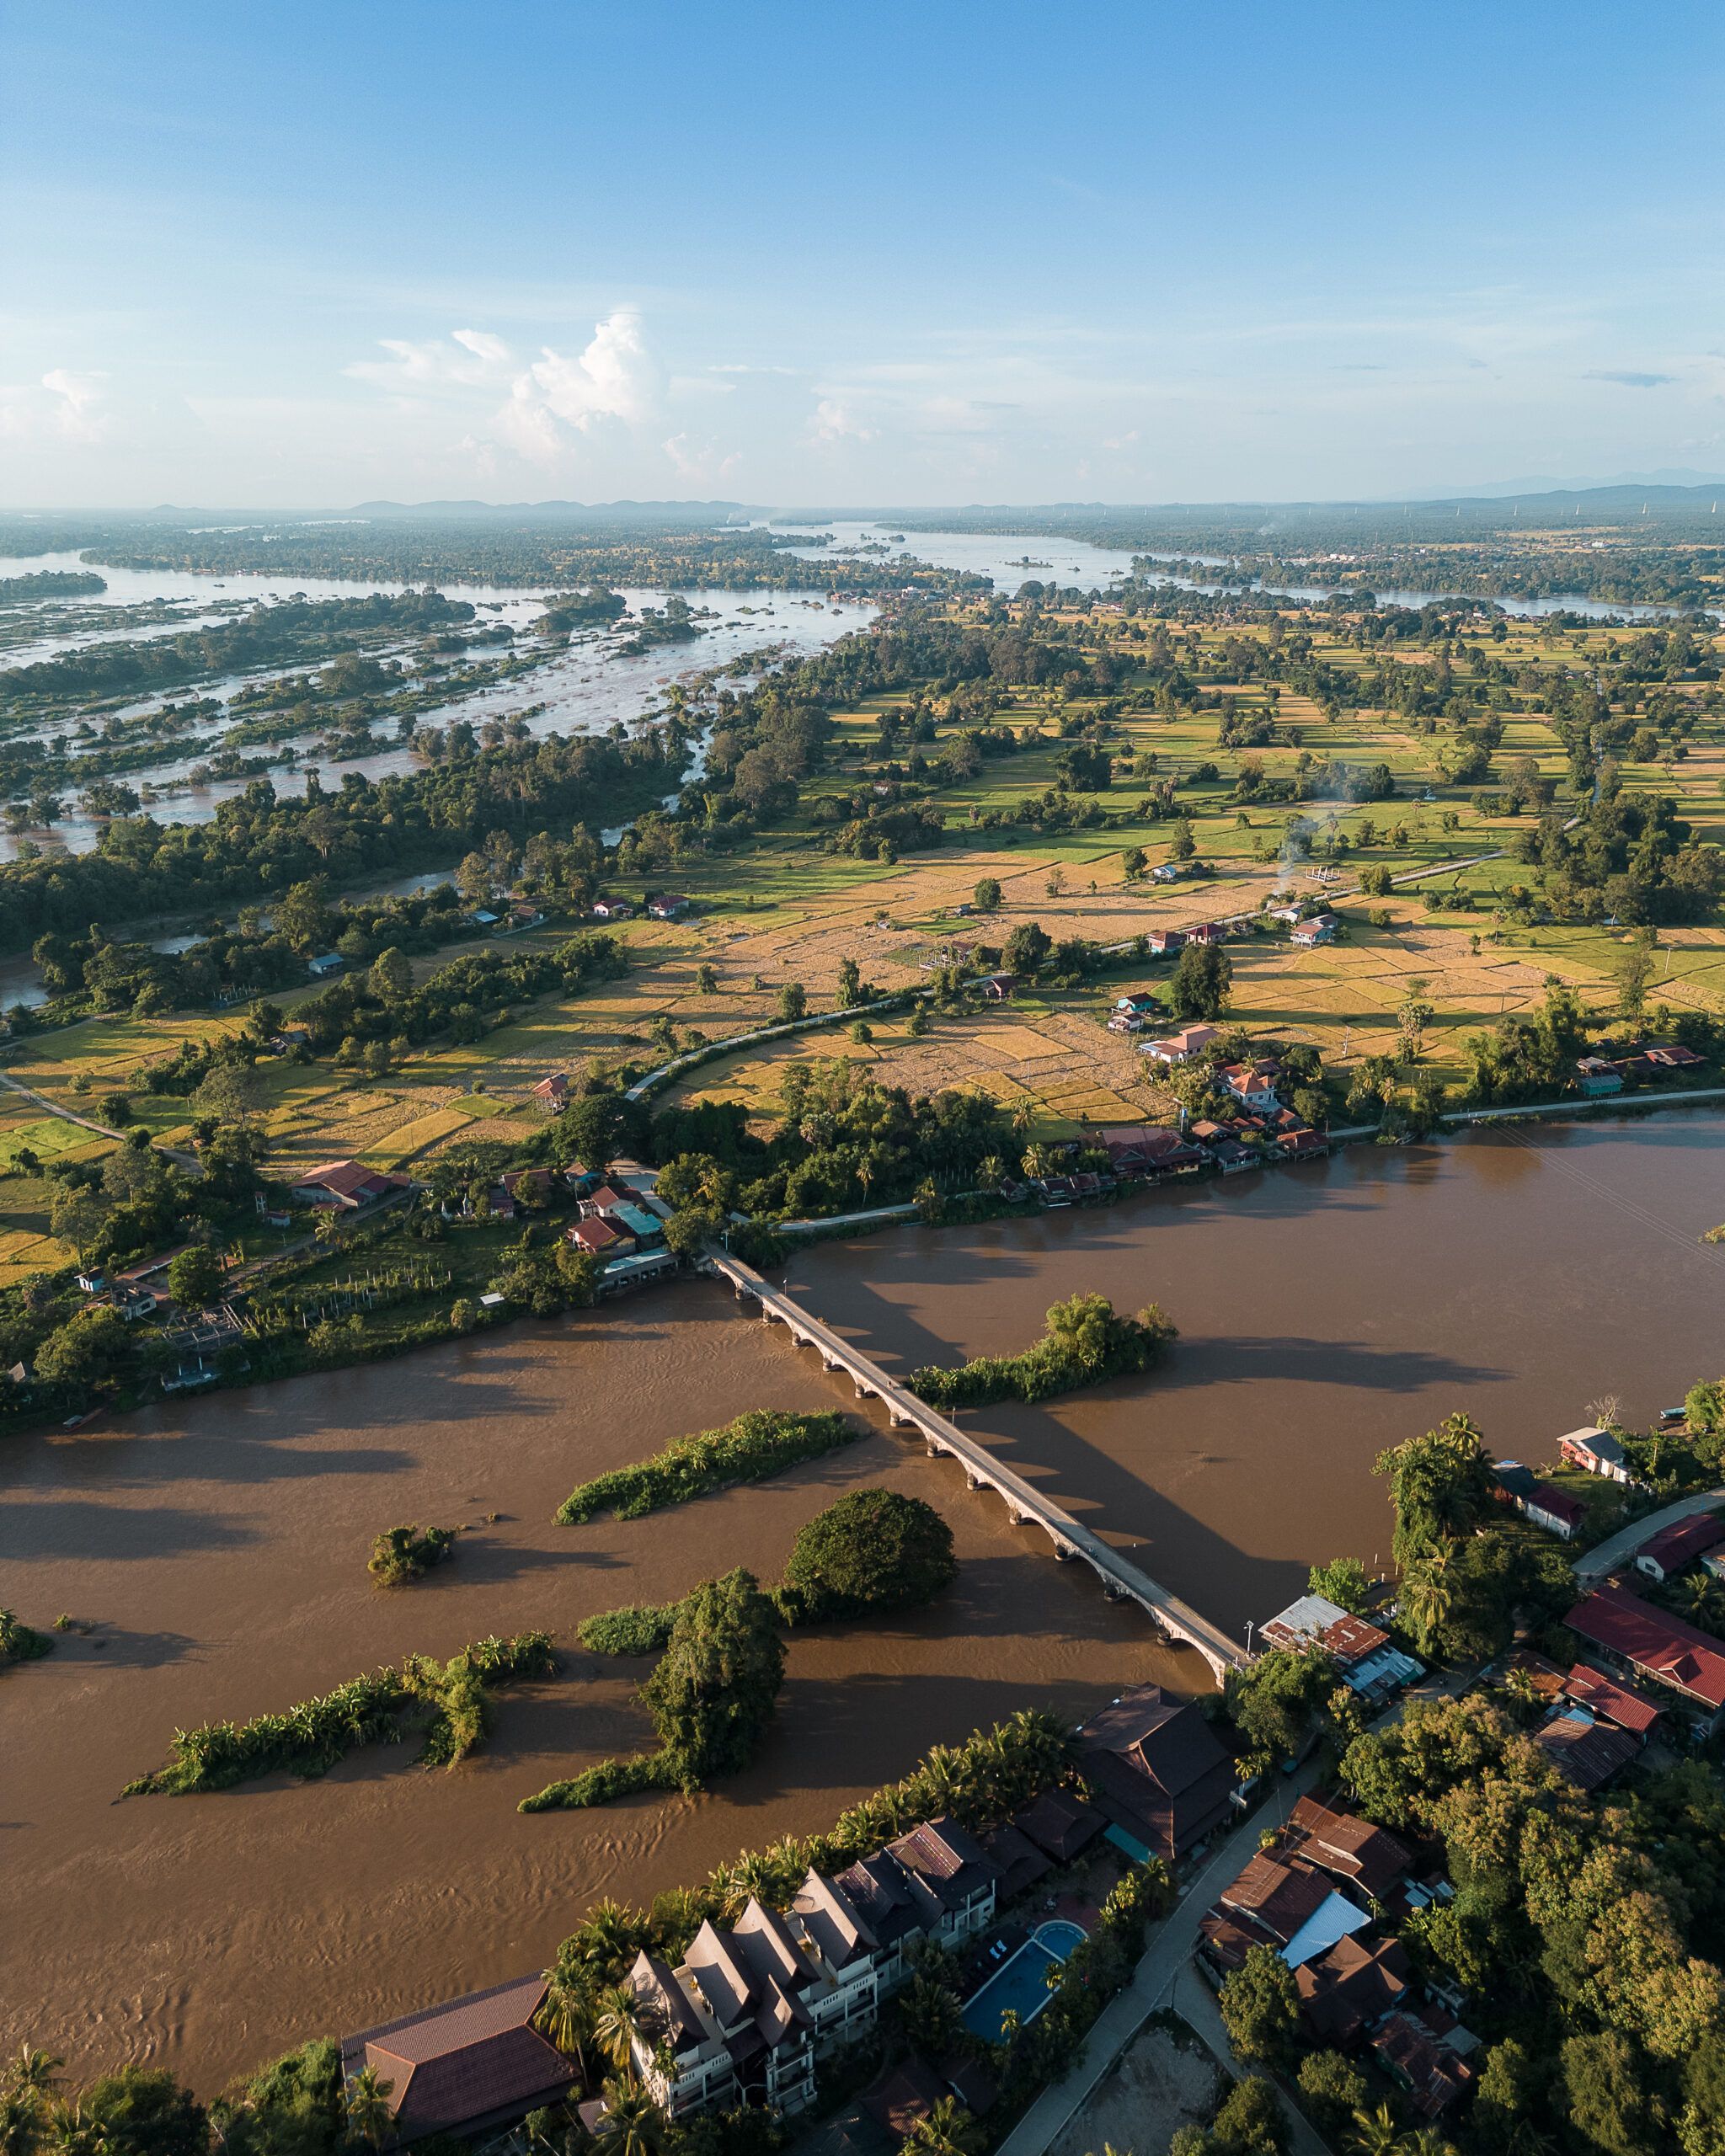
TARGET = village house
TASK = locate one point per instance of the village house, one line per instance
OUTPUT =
(1593, 1075)
(1320, 929)
(553, 1092)
(475, 2064)
(1655, 1646)
(1224, 1146)
(346, 1187)
(1666, 1554)
(1141, 1003)
(1156, 1772)
(1367, 1660)
(1597, 1451)
(669, 905)
(1287, 914)
(325, 963)
(1366, 1857)
(1433, 2074)
(1586, 1752)
(1542, 1502)
(1253, 1083)
(1182, 1047)
(1209, 932)
(599, 1238)
(1619, 1705)
(1166, 872)
(1273, 1903)
(1124, 1022)
(1164, 943)
(612, 909)
(1349, 1990)
(1151, 1150)
(997, 988)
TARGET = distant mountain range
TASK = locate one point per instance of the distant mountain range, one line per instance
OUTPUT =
(588, 511)
(1503, 490)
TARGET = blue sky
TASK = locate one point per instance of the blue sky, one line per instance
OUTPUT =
(292, 254)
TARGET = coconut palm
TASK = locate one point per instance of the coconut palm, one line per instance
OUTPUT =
(1426, 2141)
(619, 2019)
(930, 2016)
(990, 1173)
(1427, 1595)
(565, 2015)
(1375, 2133)
(369, 2115)
(946, 2129)
(35, 2069)
(633, 2125)
(24, 2122)
(606, 1939)
(1035, 1162)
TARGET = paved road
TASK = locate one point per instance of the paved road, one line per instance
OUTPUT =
(188, 1162)
(1619, 1548)
(1170, 1952)
(1195, 2004)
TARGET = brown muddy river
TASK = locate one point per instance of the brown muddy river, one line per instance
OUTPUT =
(219, 1550)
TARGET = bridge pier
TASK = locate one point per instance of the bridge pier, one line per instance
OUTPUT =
(1026, 1506)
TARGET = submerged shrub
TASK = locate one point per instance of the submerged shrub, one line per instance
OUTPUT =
(404, 1554)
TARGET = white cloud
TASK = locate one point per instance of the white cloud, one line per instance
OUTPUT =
(469, 358)
(834, 422)
(616, 378)
(71, 410)
(700, 462)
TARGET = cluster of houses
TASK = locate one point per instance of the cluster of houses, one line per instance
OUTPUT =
(663, 905)
(1261, 1128)
(752, 2006)
(1593, 1726)
(1610, 1065)
(1326, 1896)
(1368, 1662)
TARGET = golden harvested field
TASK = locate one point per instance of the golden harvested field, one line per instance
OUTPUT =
(1060, 1065)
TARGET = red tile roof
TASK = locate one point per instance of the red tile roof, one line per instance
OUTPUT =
(1673, 1546)
(475, 2059)
(1617, 1703)
(1665, 1646)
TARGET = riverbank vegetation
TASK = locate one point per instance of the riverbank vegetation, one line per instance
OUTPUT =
(1085, 1342)
(757, 1443)
(402, 1554)
(447, 1700)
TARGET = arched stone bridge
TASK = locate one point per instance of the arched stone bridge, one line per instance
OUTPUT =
(1028, 1507)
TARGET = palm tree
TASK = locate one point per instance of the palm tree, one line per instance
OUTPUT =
(368, 2112)
(946, 2129)
(930, 2016)
(1375, 2133)
(1035, 1163)
(606, 1937)
(1427, 2142)
(1428, 1596)
(35, 2069)
(23, 2122)
(621, 2018)
(633, 2125)
(565, 2014)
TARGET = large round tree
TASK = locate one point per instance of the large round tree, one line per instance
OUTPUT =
(873, 1550)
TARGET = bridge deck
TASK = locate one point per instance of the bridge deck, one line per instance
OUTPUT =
(1026, 1502)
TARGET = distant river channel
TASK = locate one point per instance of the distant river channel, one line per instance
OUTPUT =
(217, 1549)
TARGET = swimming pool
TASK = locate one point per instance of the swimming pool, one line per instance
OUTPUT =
(1020, 1985)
